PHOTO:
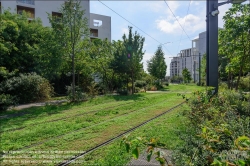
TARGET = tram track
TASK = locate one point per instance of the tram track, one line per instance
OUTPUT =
(128, 112)
(75, 157)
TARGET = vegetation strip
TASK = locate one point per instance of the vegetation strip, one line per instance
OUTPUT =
(85, 113)
(114, 106)
(116, 137)
(60, 136)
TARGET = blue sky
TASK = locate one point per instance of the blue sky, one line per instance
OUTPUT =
(156, 19)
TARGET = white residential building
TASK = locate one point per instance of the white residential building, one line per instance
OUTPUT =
(189, 58)
(41, 9)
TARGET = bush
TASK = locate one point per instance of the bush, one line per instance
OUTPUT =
(140, 83)
(79, 94)
(217, 131)
(27, 88)
(6, 100)
(245, 83)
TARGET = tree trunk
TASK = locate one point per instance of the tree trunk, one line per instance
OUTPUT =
(73, 76)
(133, 90)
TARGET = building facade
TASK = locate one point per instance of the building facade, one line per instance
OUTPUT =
(41, 9)
(189, 58)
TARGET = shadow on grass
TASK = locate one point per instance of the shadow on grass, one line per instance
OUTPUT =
(21, 116)
(135, 97)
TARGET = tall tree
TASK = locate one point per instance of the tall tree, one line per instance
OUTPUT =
(156, 65)
(128, 60)
(71, 29)
(234, 40)
(102, 56)
(186, 75)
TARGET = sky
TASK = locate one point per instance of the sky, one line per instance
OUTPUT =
(157, 23)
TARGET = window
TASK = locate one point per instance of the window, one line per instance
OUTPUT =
(94, 32)
(57, 16)
(30, 2)
(29, 11)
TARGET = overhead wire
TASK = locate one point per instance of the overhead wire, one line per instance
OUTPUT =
(177, 19)
(135, 26)
(184, 23)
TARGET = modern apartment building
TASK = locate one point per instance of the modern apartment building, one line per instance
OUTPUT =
(189, 58)
(180, 62)
(100, 26)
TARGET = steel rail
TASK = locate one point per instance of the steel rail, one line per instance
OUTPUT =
(65, 163)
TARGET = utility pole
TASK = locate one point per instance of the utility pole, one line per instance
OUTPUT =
(199, 69)
(212, 44)
(194, 70)
(212, 41)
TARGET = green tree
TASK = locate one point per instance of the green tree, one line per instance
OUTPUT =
(156, 65)
(71, 29)
(128, 56)
(186, 75)
(234, 40)
(102, 56)
(19, 42)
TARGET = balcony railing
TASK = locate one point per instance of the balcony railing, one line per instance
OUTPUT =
(30, 2)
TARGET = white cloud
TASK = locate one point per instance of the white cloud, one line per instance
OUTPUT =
(192, 24)
(124, 31)
(146, 57)
(161, 7)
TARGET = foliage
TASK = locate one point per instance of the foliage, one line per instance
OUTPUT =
(176, 79)
(156, 65)
(5, 74)
(22, 45)
(218, 130)
(134, 145)
(93, 90)
(186, 75)
(128, 55)
(79, 94)
(245, 83)
(234, 41)
(71, 29)
(101, 54)
(6, 100)
(27, 88)
(140, 83)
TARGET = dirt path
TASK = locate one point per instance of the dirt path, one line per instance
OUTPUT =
(23, 106)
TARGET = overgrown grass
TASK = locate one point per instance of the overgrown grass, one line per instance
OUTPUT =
(68, 127)
(165, 129)
(183, 88)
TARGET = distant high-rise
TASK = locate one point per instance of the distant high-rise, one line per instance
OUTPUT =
(189, 58)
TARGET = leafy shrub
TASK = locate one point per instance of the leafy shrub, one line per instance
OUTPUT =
(79, 94)
(218, 130)
(151, 88)
(140, 83)
(137, 89)
(27, 88)
(245, 83)
(6, 100)
(93, 89)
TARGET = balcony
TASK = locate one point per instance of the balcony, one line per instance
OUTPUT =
(30, 2)
(29, 11)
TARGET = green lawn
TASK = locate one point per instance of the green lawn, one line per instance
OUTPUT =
(78, 127)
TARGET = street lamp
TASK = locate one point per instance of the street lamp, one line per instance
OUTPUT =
(212, 41)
